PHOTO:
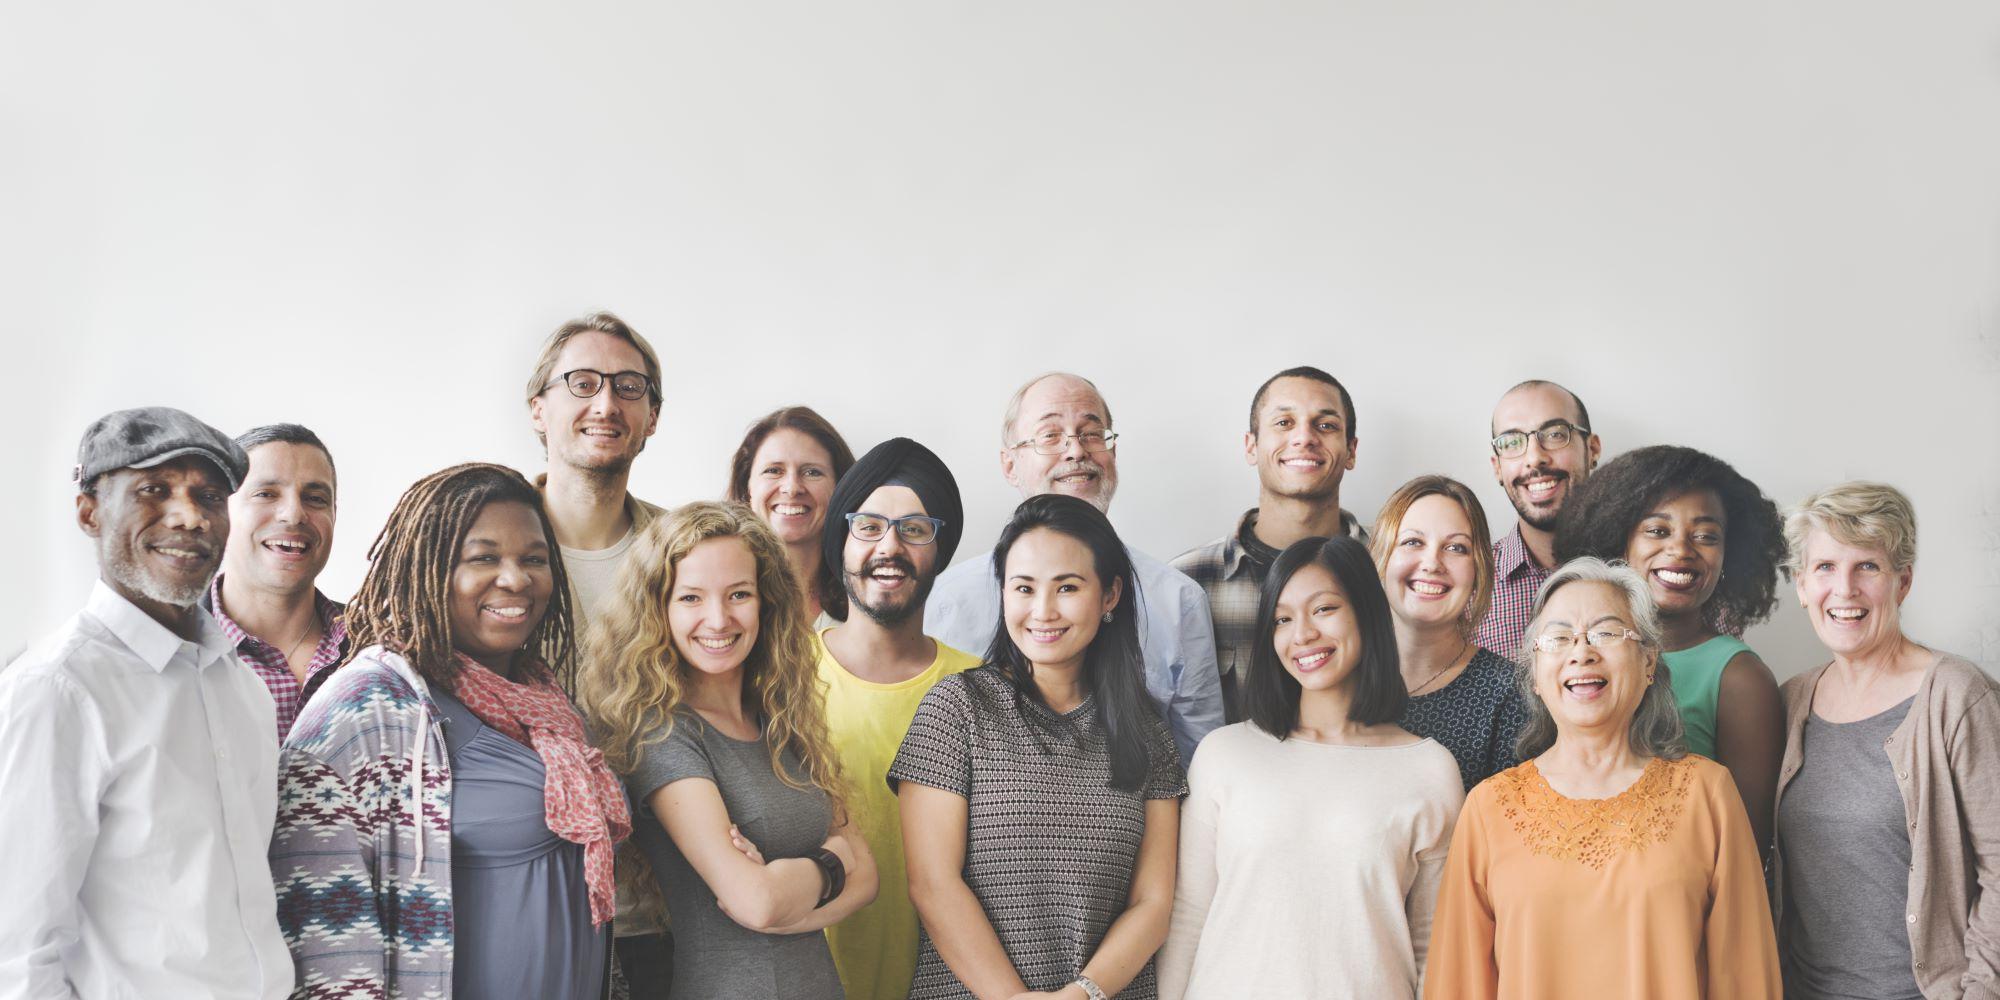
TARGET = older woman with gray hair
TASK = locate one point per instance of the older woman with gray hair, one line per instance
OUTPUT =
(1611, 862)
(1888, 811)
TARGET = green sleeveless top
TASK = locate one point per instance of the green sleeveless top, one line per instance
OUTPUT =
(1696, 674)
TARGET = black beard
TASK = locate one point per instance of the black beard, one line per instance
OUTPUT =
(888, 616)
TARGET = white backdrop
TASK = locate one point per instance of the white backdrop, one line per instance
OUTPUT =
(1769, 230)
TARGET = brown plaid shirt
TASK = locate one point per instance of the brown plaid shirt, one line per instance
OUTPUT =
(1233, 578)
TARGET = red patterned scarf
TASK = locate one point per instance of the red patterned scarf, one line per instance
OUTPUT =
(584, 800)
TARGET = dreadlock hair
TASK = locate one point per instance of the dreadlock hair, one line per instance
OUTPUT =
(1601, 515)
(404, 603)
(634, 675)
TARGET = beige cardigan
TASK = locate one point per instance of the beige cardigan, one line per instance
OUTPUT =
(1946, 754)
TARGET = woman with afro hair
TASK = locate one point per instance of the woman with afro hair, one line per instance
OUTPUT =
(1709, 544)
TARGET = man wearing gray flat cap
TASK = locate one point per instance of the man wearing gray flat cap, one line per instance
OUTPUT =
(136, 759)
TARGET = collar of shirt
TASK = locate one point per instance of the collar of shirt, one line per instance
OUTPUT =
(1511, 554)
(1235, 553)
(151, 641)
(334, 629)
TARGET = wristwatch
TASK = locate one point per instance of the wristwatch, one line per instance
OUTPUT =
(832, 876)
(1090, 987)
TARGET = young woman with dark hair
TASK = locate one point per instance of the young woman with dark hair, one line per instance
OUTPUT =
(1320, 788)
(784, 470)
(1040, 792)
(1709, 544)
(444, 827)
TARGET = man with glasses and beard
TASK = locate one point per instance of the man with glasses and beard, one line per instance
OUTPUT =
(894, 520)
(136, 758)
(1056, 437)
(1542, 451)
(594, 399)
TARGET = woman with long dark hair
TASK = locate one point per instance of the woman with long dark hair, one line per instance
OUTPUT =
(444, 827)
(1040, 792)
(1318, 818)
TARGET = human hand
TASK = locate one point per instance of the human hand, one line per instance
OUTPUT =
(742, 843)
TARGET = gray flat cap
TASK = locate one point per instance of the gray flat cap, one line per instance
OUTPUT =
(149, 435)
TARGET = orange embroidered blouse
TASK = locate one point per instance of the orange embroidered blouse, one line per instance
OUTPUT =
(1653, 894)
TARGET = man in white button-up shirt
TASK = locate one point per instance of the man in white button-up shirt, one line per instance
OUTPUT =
(136, 762)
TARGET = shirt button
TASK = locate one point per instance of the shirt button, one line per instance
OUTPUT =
(1906, 775)
(222, 755)
(1913, 918)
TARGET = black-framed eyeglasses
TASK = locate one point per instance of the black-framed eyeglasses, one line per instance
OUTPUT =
(1557, 642)
(584, 383)
(1055, 442)
(915, 529)
(1554, 435)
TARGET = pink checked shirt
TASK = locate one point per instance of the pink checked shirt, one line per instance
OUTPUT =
(1516, 578)
(269, 662)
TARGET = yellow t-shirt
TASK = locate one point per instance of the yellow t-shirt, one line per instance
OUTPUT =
(876, 948)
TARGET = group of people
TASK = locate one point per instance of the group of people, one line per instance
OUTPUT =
(562, 743)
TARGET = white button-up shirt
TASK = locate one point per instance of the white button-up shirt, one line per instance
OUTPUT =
(140, 783)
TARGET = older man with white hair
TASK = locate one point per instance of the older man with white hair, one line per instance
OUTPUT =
(1057, 438)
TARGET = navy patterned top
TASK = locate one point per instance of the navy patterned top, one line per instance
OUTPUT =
(1051, 846)
(1476, 717)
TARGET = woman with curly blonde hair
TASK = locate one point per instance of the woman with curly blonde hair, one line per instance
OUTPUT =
(701, 684)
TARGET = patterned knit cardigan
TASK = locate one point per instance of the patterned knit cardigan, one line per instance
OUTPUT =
(363, 871)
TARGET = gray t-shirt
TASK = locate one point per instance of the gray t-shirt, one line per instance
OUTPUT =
(1847, 866)
(715, 956)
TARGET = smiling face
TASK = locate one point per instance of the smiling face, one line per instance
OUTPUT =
(1679, 548)
(888, 579)
(1432, 573)
(281, 521)
(1590, 687)
(1315, 633)
(1072, 407)
(159, 531)
(604, 433)
(501, 585)
(1852, 596)
(1539, 481)
(1052, 598)
(791, 480)
(1301, 448)
(713, 608)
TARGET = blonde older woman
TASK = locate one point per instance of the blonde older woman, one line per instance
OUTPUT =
(1612, 863)
(1888, 815)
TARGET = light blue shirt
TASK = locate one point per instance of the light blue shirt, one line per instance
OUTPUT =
(1174, 635)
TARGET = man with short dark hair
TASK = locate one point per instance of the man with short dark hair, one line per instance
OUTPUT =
(1057, 438)
(892, 524)
(280, 533)
(1543, 450)
(1301, 442)
(136, 759)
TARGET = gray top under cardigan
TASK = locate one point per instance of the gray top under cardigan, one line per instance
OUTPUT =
(714, 956)
(520, 905)
(1842, 821)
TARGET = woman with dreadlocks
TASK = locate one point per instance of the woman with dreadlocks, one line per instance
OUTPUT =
(444, 827)
(1709, 545)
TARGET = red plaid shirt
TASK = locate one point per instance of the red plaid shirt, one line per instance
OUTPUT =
(269, 661)
(1516, 579)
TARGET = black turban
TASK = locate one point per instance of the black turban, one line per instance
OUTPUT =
(895, 462)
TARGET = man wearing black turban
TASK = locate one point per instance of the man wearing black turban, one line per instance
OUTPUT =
(877, 666)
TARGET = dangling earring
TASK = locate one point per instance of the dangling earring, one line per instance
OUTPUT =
(1107, 618)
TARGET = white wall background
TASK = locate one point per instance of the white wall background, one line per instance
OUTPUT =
(1770, 230)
